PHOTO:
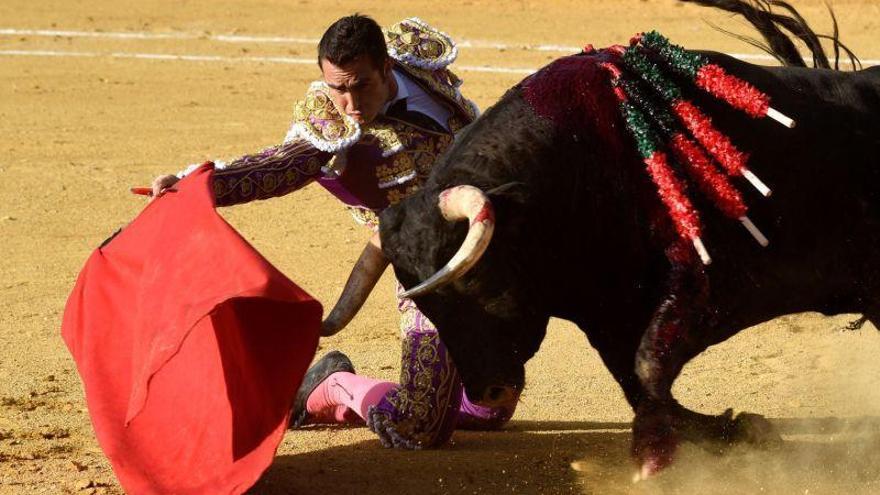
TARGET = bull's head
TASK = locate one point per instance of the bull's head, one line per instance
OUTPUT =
(478, 299)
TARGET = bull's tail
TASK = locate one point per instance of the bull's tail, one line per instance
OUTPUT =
(779, 44)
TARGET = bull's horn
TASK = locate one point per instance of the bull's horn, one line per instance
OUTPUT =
(363, 278)
(458, 203)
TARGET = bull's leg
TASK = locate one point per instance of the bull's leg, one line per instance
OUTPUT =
(671, 340)
(665, 347)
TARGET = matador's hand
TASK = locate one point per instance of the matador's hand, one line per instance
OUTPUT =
(162, 184)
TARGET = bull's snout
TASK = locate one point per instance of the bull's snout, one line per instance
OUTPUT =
(499, 395)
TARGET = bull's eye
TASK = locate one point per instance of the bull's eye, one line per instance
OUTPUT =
(502, 306)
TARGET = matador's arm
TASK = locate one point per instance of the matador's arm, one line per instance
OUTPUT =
(275, 171)
(318, 131)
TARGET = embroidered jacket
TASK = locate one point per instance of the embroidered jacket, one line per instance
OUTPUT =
(390, 158)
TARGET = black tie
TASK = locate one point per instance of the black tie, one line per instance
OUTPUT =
(399, 111)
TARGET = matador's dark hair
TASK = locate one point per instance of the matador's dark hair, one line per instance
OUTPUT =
(350, 38)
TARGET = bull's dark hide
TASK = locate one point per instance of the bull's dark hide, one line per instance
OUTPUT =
(581, 235)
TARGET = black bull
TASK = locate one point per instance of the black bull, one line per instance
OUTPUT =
(574, 240)
(580, 235)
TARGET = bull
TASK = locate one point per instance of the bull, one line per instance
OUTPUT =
(577, 232)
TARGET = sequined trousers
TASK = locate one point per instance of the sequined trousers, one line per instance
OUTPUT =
(429, 403)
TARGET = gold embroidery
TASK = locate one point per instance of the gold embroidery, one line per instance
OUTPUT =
(291, 176)
(247, 188)
(219, 188)
(412, 153)
(386, 136)
(317, 120)
(425, 392)
(269, 182)
(456, 123)
(425, 53)
(417, 43)
(312, 166)
(365, 217)
(407, 319)
(401, 163)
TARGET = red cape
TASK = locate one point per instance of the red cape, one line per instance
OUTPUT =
(190, 346)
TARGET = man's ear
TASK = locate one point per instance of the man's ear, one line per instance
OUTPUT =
(389, 64)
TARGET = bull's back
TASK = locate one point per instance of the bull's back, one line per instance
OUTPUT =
(823, 219)
(558, 138)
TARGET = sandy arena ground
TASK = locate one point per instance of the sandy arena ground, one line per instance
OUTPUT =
(77, 131)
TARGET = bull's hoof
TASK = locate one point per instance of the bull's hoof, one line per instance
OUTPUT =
(654, 443)
(755, 429)
(649, 468)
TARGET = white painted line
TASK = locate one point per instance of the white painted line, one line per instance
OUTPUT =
(167, 56)
(157, 56)
(142, 35)
(229, 38)
(236, 38)
(493, 69)
(218, 58)
(273, 60)
(46, 53)
(96, 34)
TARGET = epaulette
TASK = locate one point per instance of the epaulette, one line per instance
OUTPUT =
(425, 54)
(317, 120)
(415, 43)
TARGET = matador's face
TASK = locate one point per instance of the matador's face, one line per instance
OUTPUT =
(359, 88)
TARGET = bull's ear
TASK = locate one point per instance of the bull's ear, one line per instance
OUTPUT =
(515, 192)
(416, 238)
(390, 220)
(402, 227)
(415, 219)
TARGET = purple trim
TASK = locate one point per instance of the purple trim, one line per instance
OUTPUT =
(430, 401)
(422, 411)
(338, 189)
(272, 172)
(474, 417)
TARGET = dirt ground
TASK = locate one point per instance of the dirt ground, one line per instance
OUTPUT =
(77, 131)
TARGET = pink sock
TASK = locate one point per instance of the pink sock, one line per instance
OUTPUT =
(356, 392)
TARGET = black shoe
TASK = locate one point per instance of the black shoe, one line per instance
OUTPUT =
(332, 362)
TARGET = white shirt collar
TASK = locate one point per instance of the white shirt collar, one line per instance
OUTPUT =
(402, 90)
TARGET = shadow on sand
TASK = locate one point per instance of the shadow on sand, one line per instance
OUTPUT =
(819, 455)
